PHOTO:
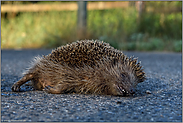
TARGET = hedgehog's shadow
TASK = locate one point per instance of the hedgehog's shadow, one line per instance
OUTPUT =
(150, 84)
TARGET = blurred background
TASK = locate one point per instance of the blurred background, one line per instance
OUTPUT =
(129, 26)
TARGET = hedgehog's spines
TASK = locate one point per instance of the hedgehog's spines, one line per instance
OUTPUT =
(90, 51)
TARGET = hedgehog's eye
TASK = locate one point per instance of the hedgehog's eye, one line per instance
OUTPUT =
(123, 75)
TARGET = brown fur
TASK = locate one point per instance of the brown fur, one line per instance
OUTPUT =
(87, 67)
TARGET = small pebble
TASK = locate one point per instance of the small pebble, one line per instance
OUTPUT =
(148, 92)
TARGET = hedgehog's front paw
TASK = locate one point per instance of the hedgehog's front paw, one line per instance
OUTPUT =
(52, 90)
(15, 88)
(48, 89)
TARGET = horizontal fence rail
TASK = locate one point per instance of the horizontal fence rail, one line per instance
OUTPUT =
(61, 6)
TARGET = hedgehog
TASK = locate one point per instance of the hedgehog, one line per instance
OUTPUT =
(84, 67)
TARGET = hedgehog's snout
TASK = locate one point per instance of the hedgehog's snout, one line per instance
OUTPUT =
(130, 92)
(124, 92)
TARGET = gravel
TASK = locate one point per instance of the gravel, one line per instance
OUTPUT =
(157, 99)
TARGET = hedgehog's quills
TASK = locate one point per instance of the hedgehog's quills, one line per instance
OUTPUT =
(86, 67)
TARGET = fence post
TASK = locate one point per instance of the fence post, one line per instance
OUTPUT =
(81, 19)
(141, 9)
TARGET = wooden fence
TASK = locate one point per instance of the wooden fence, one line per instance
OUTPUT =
(71, 6)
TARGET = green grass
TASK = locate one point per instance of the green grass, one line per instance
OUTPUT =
(34, 30)
(116, 26)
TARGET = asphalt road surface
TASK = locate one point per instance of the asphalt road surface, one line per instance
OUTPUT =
(157, 99)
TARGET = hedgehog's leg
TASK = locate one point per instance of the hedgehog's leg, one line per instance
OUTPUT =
(16, 86)
(56, 89)
(52, 90)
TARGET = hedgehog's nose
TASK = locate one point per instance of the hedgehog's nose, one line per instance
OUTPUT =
(132, 91)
